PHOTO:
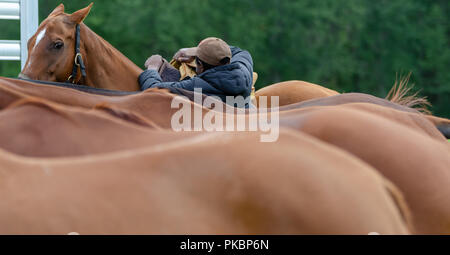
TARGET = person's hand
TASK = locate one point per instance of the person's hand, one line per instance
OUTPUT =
(154, 62)
(184, 55)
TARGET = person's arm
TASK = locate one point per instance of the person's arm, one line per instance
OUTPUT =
(243, 57)
(151, 79)
(245, 61)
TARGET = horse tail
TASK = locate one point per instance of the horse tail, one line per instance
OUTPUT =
(400, 94)
(401, 204)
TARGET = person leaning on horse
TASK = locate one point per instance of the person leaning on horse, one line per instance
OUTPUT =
(222, 71)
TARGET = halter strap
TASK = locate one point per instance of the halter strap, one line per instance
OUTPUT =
(78, 61)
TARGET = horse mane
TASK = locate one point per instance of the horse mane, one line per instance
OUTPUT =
(116, 63)
(400, 94)
(126, 115)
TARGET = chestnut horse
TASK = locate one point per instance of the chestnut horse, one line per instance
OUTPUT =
(52, 56)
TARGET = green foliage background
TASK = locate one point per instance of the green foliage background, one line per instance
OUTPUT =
(346, 45)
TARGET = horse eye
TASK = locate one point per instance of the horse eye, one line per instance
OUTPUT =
(58, 45)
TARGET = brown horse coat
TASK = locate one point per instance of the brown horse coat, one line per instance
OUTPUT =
(416, 121)
(366, 137)
(418, 164)
(292, 92)
(156, 105)
(38, 128)
(174, 188)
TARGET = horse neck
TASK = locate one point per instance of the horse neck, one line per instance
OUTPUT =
(106, 67)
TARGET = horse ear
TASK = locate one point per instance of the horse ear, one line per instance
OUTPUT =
(80, 15)
(58, 10)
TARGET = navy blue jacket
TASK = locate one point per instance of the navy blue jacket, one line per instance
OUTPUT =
(234, 79)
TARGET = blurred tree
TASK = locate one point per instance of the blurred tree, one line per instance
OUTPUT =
(351, 45)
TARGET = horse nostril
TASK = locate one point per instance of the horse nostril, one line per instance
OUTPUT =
(23, 76)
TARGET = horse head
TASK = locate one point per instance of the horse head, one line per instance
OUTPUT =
(54, 55)
(51, 51)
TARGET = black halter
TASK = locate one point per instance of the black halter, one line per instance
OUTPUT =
(78, 61)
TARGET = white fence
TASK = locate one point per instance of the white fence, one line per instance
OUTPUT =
(27, 12)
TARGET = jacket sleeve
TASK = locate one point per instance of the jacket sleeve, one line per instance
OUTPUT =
(243, 57)
(151, 79)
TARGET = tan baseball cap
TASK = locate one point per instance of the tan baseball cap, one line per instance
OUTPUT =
(212, 51)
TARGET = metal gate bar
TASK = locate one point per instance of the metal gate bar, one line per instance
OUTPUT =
(27, 12)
